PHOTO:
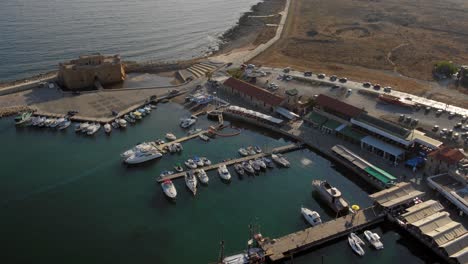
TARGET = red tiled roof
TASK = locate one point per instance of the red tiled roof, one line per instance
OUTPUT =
(338, 106)
(449, 155)
(254, 91)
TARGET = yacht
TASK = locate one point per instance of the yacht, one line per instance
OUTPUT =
(171, 136)
(251, 150)
(202, 176)
(254, 165)
(191, 182)
(64, 124)
(268, 162)
(204, 137)
(247, 167)
(122, 123)
(356, 244)
(239, 169)
(243, 152)
(194, 131)
(311, 216)
(94, 129)
(107, 128)
(332, 196)
(374, 239)
(280, 159)
(82, 127)
(224, 173)
(261, 163)
(187, 122)
(258, 149)
(198, 161)
(115, 124)
(206, 162)
(142, 147)
(140, 157)
(191, 164)
(178, 167)
(169, 189)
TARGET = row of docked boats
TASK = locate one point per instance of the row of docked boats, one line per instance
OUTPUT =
(253, 166)
(57, 123)
(249, 151)
(357, 244)
(197, 162)
(142, 152)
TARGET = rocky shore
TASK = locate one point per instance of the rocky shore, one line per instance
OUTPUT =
(9, 111)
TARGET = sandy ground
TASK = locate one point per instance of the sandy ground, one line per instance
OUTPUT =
(393, 43)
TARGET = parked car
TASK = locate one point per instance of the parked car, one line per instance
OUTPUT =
(336, 87)
(377, 87)
(307, 73)
(349, 91)
(367, 84)
(333, 78)
(343, 80)
(286, 70)
(387, 89)
(321, 76)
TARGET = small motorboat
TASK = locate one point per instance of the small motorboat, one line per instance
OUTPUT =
(206, 162)
(243, 152)
(64, 124)
(178, 147)
(147, 109)
(247, 167)
(224, 173)
(129, 119)
(122, 123)
(93, 129)
(259, 162)
(254, 165)
(166, 173)
(374, 239)
(53, 123)
(258, 149)
(202, 176)
(115, 125)
(142, 111)
(169, 189)
(251, 150)
(204, 137)
(82, 127)
(41, 122)
(198, 161)
(191, 182)
(137, 115)
(107, 128)
(311, 216)
(356, 244)
(172, 148)
(171, 136)
(187, 122)
(191, 164)
(152, 106)
(239, 169)
(280, 159)
(178, 167)
(268, 162)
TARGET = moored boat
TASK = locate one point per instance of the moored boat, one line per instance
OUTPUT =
(23, 119)
(268, 162)
(198, 161)
(171, 136)
(258, 149)
(374, 239)
(178, 167)
(261, 163)
(206, 162)
(332, 196)
(224, 173)
(95, 128)
(243, 152)
(280, 159)
(247, 167)
(202, 176)
(66, 123)
(251, 150)
(107, 128)
(191, 164)
(239, 169)
(169, 189)
(194, 131)
(140, 157)
(254, 165)
(204, 137)
(122, 123)
(356, 244)
(187, 122)
(311, 216)
(165, 173)
(191, 182)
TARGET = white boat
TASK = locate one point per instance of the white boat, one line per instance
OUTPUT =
(142, 147)
(251, 150)
(137, 115)
(202, 176)
(169, 189)
(147, 109)
(178, 167)
(224, 173)
(247, 167)
(198, 161)
(172, 148)
(166, 173)
(254, 165)
(204, 137)
(83, 126)
(206, 162)
(374, 239)
(239, 169)
(280, 159)
(115, 124)
(311, 216)
(122, 123)
(152, 106)
(187, 122)
(243, 152)
(268, 162)
(194, 131)
(54, 123)
(41, 122)
(258, 149)
(191, 164)
(178, 147)
(356, 244)
(171, 136)
(107, 128)
(140, 157)
(191, 182)
(261, 163)
(64, 124)
(94, 129)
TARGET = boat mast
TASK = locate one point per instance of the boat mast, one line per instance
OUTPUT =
(221, 253)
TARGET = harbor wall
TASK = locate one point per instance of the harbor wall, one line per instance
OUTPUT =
(23, 86)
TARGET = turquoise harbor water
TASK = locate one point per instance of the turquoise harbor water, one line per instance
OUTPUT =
(67, 198)
(37, 35)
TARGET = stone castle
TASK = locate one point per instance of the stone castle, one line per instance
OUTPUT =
(91, 71)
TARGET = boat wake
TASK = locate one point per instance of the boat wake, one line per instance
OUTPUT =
(54, 186)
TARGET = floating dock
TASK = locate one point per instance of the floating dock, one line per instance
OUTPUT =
(179, 140)
(283, 149)
(294, 243)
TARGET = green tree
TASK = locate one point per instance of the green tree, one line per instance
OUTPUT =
(445, 68)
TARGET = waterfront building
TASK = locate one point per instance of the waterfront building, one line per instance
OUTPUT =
(91, 71)
(254, 95)
(443, 160)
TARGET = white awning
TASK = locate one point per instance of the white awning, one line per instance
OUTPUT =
(376, 143)
(421, 138)
(286, 113)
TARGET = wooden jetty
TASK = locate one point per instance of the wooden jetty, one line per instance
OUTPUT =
(283, 247)
(283, 149)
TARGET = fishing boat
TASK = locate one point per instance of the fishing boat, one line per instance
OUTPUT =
(166, 173)
(142, 111)
(178, 147)
(239, 169)
(187, 122)
(243, 152)
(254, 165)
(41, 122)
(374, 239)
(178, 167)
(356, 244)
(53, 123)
(261, 163)
(107, 128)
(268, 162)
(152, 106)
(137, 115)
(191, 164)
(35, 120)
(224, 173)
(147, 109)
(258, 149)
(206, 162)
(280, 159)
(94, 129)
(129, 119)
(140, 157)
(171, 136)
(204, 137)
(251, 150)
(194, 131)
(253, 255)
(198, 161)
(169, 189)
(191, 182)
(202, 176)
(82, 127)
(64, 124)
(311, 216)
(23, 118)
(122, 123)
(115, 124)
(332, 196)
(247, 167)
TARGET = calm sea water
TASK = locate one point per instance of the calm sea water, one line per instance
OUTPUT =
(67, 198)
(36, 35)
